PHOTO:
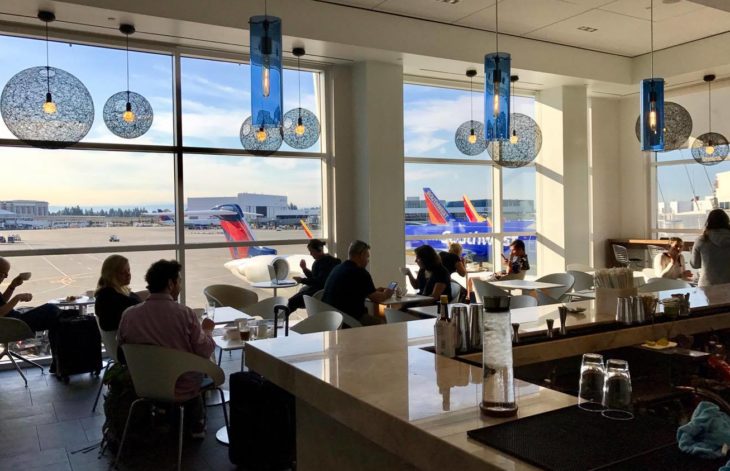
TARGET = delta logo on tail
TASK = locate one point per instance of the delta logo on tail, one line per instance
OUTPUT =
(236, 229)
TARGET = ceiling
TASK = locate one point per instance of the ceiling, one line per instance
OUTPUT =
(621, 26)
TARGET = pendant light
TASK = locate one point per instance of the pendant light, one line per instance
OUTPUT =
(301, 126)
(469, 137)
(677, 126)
(496, 90)
(47, 107)
(513, 138)
(128, 114)
(266, 82)
(652, 103)
(710, 148)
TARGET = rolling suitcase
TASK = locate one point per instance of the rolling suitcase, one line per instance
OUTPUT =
(76, 347)
(262, 431)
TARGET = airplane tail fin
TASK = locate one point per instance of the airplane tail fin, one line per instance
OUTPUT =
(471, 212)
(437, 212)
(306, 229)
(236, 229)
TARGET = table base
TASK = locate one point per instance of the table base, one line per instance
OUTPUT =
(213, 397)
(222, 436)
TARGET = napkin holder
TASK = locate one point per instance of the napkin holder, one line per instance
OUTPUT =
(606, 299)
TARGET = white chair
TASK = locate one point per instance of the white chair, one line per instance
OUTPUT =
(484, 288)
(318, 295)
(229, 295)
(662, 284)
(265, 308)
(325, 321)
(621, 254)
(155, 370)
(15, 330)
(580, 267)
(523, 300)
(565, 279)
(455, 292)
(109, 339)
(545, 299)
(582, 280)
(142, 294)
(393, 316)
(648, 273)
(315, 306)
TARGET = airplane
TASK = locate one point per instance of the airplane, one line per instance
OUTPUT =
(441, 222)
(201, 219)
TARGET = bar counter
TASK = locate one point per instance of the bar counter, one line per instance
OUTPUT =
(372, 398)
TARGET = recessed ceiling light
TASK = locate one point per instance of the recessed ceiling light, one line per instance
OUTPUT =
(587, 29)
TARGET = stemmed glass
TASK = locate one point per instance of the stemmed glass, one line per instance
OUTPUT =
(617, 391)
(592, 375)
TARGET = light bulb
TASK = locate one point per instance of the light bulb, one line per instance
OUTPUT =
(709, 150)
(513, 139)
(299, 129)
(49, 107)
(472, 137)
(496, 104)
(652, 112)
(261, 135)
(266, 78)
(128, 115)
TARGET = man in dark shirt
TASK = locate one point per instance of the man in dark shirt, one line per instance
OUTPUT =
(315, 278)
(350, 283)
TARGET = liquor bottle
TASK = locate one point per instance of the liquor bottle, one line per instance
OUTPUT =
(445, 331)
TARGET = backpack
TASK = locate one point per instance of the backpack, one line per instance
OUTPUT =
(117, 401)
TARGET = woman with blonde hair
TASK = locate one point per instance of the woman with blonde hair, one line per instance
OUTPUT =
(112, 292)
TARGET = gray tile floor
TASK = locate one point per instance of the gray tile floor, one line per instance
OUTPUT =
(48, 425)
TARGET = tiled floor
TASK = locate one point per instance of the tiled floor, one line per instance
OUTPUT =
(49, 425)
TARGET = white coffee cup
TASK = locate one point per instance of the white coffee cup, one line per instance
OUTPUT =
(25, 276)
(232, 333)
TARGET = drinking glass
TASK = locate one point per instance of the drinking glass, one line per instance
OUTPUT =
(210, 311)
(590, 388)
(244, 329)
(617, 391)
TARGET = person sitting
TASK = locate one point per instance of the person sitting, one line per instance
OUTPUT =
(112, 292)
(350, 284)
(453, 260)
(517, 262)
(432, 280)
(711, 251)
(41, 318)
(162, 321)
(315, 278)
(670, 264)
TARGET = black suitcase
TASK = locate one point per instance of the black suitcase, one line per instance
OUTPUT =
(262, 432)
(76, 347)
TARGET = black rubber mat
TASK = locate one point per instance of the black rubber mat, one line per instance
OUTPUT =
(571, 439)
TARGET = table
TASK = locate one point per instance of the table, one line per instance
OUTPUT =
(275, 284)
(583, 294)
(425, 311)
(528, 285)
(80, 302)
(407, 299)
(227, 315)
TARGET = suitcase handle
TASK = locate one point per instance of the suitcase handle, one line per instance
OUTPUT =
(285, 311)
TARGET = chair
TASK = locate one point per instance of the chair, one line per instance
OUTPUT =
(229, 295)
(15, 330)
(456, 289)
(155, 370)
(655, 250)
(579, 267)
(109, 340)
(393, 316)
(582, 280)
(315, 306)
(483, 288)
(265, 308)
(523, 300)
(648, 273)
(621, 254)
(143, 294)
(565, 279)
(318, 295)
(662, 284)
(324, 321)
(545, 299)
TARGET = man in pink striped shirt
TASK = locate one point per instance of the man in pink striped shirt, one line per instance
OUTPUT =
(161, 320)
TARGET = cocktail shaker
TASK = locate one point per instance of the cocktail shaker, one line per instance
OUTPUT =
(460, 318)
(476, 326)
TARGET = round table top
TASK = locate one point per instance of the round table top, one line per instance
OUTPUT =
(78, 301)
(278, 284)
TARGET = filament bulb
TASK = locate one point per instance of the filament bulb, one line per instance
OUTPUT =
(299, 129)
(513, 139)
(49, 107)
(261, 135)
(266, 77)
(709, 150)
(128, 115)
(472, 139)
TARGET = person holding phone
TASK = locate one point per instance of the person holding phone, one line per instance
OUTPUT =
(517, 262)
(670, 264)
(41, 318)
(314, 279)
(432, 279)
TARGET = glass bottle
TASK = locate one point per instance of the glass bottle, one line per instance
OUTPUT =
(498, 386)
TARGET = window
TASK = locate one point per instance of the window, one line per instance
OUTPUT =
(449, 197)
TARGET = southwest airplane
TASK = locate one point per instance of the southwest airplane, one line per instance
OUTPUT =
(442, 222)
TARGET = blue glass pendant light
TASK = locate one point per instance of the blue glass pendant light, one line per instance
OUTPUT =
(266, 76)
(652, 104)
(497, 67)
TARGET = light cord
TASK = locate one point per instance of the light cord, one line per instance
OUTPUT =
(48, 68)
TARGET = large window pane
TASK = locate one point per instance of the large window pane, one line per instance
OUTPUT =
(217, 99)
(518, 210)
(686, 192)
(68, 198)
(103, 72)
(275, 193)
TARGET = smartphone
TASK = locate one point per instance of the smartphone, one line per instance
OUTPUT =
(25, 276)
(393, 285)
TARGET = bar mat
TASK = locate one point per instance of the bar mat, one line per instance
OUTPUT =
(667, 458)
(571, 439)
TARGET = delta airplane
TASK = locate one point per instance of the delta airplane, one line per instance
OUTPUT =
(442, 222)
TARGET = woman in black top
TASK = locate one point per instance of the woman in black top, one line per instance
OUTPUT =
(432, 279)
(314, 279)
(112, 293)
